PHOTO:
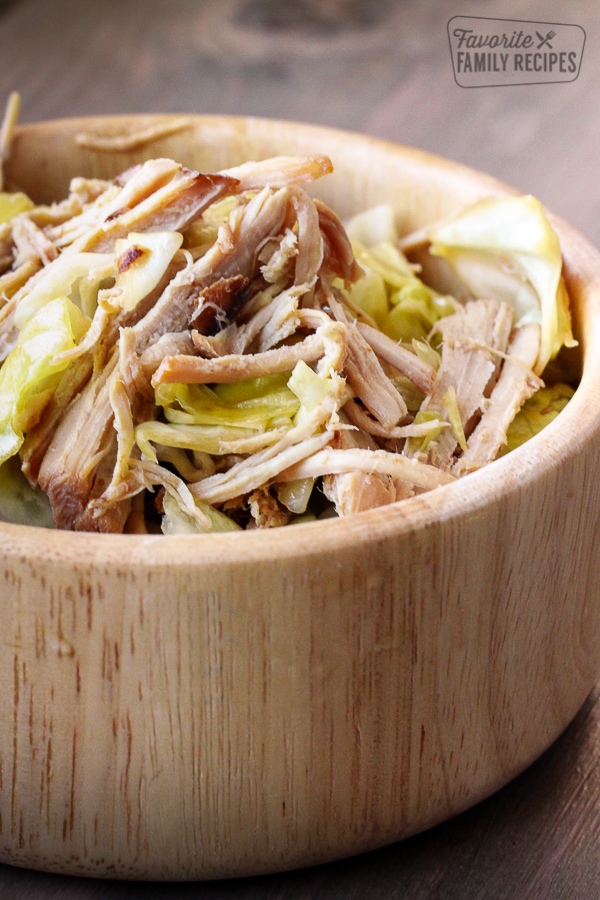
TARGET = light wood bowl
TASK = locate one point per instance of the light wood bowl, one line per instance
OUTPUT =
(215, 706)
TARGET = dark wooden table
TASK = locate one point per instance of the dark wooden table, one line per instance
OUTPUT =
(383, 68)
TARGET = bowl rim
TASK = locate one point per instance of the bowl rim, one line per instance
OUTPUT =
(577, 423)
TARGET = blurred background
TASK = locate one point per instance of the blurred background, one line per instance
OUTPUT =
(382, 67)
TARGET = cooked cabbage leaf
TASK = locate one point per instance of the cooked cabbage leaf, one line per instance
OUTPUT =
(176, 521)
(536, 413)
(59, 279)
(310, 389)
(295, 495)
(11, 204)
(212, 439)
(373, 226)
(211, 419)
(505, 248)
(255, 403)
(31, 373)
(391, 292)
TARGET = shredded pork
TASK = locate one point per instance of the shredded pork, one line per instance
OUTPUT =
(256, 299)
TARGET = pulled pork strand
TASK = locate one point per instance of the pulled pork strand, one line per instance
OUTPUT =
(263, 303)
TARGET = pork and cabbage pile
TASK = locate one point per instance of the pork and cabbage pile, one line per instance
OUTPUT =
(193, 352)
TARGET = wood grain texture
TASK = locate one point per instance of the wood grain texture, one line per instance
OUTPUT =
(538, 836)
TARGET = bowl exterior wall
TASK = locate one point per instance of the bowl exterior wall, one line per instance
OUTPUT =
(228, 718)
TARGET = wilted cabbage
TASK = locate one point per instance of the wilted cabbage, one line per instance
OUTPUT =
(198, 353)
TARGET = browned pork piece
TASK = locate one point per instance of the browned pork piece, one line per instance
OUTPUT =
(266, 511)
(339, 259)
(84, 438)
(233, 254)
(159, 194)
(6, 247)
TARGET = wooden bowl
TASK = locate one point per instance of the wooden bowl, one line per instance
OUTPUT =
(214, 706)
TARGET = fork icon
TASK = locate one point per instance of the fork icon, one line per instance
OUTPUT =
(545, 40)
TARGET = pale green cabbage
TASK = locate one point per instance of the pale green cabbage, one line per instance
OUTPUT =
(211, 439)
(295, 495)
(537, 412)
(257, 404)
(505, 248)
(11, 204)
(391, 292)
(210, 419)
(30, 373)
(310, 389)
(176, 521)
(60, 279)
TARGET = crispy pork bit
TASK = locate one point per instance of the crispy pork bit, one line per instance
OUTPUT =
(218, 304)
(170, 207)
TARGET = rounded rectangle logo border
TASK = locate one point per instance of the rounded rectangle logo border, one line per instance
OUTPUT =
(492, 52)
